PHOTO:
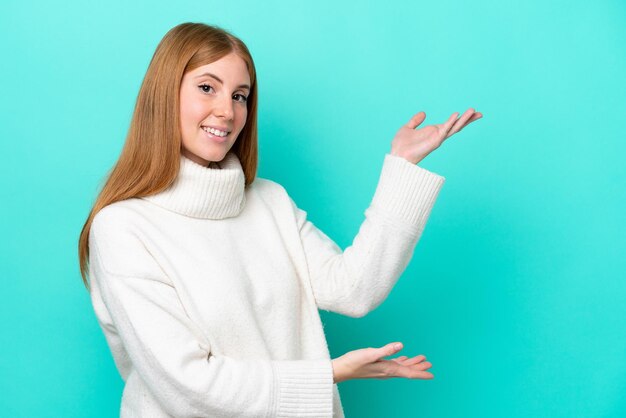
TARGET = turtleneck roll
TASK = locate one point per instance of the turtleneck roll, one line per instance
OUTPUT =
(203, 192)
(208, 291)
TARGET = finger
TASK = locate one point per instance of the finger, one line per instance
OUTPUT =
(423, 375)
(413, 373)
(448, 124)
(388, 349)
(425, 365)
(406, 361)
(474, 117)
(453, 118)
(416, 120)
(461, 121)
(468, 116)
(414, 360)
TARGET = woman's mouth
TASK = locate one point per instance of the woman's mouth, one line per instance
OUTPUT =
(215, 135)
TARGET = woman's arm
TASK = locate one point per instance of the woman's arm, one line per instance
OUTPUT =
(355, 281)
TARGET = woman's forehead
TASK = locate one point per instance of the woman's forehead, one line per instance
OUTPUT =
(229, 72)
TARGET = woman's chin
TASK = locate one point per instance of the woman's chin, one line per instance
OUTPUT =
(204, 157)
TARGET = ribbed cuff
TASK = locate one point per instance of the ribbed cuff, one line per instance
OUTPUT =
(305, 388)
(405, 191)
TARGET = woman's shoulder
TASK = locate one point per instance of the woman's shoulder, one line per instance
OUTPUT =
(116, 237)
(268, 189)
(123, 212)
(274, 196)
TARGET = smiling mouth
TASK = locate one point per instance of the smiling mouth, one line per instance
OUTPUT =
(216, 138)
(215, 132)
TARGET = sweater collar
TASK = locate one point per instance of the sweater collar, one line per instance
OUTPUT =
(203, 192)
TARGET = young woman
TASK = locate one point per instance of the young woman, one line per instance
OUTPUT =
(207, 281)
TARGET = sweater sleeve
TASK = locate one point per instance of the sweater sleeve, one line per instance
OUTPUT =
(355, 281)
(168, 352)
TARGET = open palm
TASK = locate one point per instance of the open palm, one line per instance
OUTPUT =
(414, 145)
(367, 363)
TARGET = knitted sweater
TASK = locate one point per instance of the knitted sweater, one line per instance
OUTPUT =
(208, 292)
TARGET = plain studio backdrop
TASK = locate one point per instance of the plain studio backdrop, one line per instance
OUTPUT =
(517, 289)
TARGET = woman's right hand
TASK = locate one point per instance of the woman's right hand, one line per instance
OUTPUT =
(368, 363)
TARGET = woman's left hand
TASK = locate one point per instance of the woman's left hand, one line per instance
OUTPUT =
(414, 145)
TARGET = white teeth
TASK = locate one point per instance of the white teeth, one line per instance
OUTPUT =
(214, 131)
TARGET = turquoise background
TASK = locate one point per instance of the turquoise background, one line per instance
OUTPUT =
(517, 289)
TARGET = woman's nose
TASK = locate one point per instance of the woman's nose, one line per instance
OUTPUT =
(224, 108)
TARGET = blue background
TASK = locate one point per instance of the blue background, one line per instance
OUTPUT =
(517, 290)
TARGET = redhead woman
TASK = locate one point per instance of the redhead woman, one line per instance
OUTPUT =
(207, 281)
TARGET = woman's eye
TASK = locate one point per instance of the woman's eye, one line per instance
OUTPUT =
(243, 98)
(205, 87)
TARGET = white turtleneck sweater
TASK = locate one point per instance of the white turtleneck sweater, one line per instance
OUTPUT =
(208, 292)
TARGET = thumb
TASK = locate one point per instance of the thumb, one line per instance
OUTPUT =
(416, 120)
(389, 349)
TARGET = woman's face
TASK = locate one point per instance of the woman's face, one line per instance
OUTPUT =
(213, 96)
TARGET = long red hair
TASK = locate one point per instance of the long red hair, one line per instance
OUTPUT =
(149, 161)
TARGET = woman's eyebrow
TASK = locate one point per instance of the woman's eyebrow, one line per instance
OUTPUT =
(245, 86)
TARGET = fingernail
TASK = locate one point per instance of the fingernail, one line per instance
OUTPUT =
(397, 346)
